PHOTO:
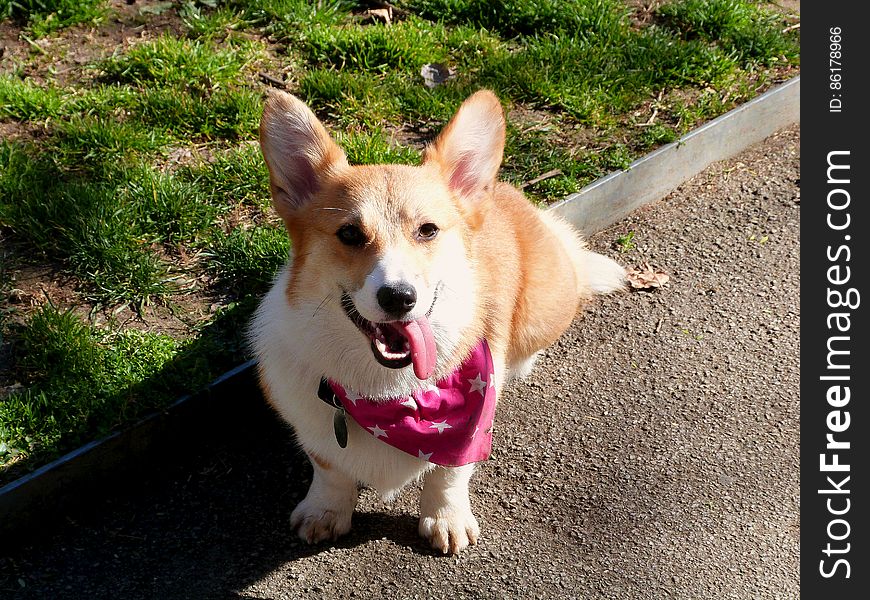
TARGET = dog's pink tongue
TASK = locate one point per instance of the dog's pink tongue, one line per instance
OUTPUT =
(422, 342)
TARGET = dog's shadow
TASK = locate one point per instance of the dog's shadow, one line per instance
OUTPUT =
(399, 529)
(373, 521)
(207, 526)
(285, 470)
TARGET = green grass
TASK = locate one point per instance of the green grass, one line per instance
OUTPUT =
(25, 101)
(169, 61)
(168, 209)
(741, 29)
(83, 222)
(137, 176)
(43, 17)
(512, 18)
(363, 74)
(626, 243)
(248, 258)
(604, 80)
(190, 87)
(375, 147)
(234, 177)
(74, 371)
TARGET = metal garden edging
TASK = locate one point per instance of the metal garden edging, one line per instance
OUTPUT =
(28, 503)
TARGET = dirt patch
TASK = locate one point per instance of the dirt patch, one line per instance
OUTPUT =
(642, 11)
(60, 58)
(28, 286)
(413, 136)
(564, 133)
(14, 131)
(10, 41)
(788, 7)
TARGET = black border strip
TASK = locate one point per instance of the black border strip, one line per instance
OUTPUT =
(835, 298)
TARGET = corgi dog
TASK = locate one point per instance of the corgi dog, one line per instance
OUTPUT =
(411, 295)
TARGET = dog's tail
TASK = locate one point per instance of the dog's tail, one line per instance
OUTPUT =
(603, 275)
(595, 273)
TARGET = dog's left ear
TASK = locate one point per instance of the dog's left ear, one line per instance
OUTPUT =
(468, 151)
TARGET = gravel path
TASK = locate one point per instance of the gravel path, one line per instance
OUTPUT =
(653, 453)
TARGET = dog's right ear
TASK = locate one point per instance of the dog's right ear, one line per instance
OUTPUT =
(298, 151)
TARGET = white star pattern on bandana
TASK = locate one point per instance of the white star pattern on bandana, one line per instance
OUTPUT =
(353, 396)
(377, 431)
(424, 455)
(441, 426)
(477, 385)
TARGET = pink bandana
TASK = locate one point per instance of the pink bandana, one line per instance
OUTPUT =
(449, 423)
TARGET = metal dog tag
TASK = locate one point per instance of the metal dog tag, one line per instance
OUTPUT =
(339, 424)
(339, 420)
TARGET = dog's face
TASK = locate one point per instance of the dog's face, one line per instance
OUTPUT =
(383, 268)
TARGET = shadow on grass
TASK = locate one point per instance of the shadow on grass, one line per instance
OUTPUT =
(81, 388)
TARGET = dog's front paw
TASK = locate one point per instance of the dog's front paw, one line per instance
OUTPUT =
(316, 523)
(450, 530)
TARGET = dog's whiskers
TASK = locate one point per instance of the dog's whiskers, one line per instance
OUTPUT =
(441, 286)
(329, 297)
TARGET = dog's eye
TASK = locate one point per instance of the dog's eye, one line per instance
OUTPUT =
(427, 231)
(351, 235)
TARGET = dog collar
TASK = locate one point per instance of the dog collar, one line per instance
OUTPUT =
(449, 423)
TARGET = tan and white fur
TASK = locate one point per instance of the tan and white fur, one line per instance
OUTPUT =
(496, 268)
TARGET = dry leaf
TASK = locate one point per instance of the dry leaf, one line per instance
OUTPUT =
(384, 14)
(434, 74)
(647, 279)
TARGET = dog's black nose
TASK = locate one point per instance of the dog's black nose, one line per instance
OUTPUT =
(397, 299)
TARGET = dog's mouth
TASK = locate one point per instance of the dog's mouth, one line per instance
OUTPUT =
(398, 344)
